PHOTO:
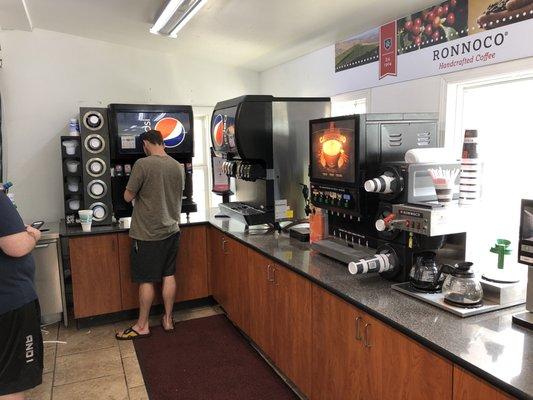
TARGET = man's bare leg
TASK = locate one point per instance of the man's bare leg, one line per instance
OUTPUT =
(146, 298)
(169, 297)
(14, 396)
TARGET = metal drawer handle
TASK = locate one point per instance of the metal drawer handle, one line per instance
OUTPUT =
(367, 335)
(42, 246)
(224, 250)
(274, 279)
(269, 275)
(357, 330)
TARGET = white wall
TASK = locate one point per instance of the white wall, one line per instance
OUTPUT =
(46, 76)
(314, 75)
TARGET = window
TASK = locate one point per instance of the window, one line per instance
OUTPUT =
(350, 103)
(501, 112)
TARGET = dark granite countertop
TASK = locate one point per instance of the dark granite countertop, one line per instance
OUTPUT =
(197, 218)
(488, 345)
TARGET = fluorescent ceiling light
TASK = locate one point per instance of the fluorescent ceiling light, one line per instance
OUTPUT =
(187, 16)
(165, 16)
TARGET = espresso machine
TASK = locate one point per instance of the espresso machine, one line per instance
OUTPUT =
(260, 143)
(126, 123)
(358, 176)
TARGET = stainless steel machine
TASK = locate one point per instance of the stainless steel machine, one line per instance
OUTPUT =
(262, 143)
(49, 279)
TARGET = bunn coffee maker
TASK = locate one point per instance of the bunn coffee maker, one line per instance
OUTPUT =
(357, 175)
(126, 123)
(261, 143)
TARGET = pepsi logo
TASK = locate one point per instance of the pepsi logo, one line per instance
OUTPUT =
(218, 130)
(172, 130)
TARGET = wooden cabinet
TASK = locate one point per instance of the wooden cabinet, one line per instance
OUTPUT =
(129, 291)
(280, 317)
(261, 303)
(236, 277)
(337, 358)
(101, 272)
(191, 268)
(400, 368)
(217, 277)
(95, 272)
(469, 387)
(229, 277)
(292, 326)
(356, 356)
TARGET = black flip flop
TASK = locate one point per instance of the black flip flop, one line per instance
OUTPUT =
(130, 334)
(163, 325)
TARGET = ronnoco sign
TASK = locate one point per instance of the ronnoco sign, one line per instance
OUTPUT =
(451, 36)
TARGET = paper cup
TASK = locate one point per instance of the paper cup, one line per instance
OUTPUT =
(86, 219)
(125, 222)
(444, 193)
(70, 147)
(72, 166)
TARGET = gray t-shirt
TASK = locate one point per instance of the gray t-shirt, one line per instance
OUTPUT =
(157, 182)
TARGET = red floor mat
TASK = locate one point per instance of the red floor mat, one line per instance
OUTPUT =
(206, 359)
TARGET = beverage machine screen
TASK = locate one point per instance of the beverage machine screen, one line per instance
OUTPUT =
(174, 126)
(223, 131)
(333, 151)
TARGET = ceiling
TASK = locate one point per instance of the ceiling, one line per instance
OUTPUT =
(254, 34)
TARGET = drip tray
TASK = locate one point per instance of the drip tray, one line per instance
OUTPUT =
(437, 300)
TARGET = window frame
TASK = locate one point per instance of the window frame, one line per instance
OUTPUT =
(204, 113)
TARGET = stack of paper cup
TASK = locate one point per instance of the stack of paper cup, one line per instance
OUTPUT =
(470, 181)
(470, 178)
(86, 219)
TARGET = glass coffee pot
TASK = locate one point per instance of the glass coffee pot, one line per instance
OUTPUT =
(426, 274)
(461, 288)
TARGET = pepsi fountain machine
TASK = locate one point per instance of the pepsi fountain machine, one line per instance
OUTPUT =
(261, 142)
(126, 123)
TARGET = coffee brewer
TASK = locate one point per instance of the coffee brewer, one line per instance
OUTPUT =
(261, 144)
(126, 123)
(358, 175)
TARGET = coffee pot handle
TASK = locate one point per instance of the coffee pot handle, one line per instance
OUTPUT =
(444, 268)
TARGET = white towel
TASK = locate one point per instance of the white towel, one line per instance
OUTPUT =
(432, 155)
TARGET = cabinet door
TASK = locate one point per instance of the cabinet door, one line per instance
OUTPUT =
(236, 279)
(216, 266)
(95, 275)
(336, 351)
(468, 387)
(400, 368)
(191, 264)
(261, 303)
(292, 326)
(129, 290)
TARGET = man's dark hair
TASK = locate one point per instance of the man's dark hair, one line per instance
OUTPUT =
(152, 136)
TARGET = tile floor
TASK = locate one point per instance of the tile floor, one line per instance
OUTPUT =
(93, 365)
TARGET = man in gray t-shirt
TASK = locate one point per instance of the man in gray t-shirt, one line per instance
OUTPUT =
(156, 188)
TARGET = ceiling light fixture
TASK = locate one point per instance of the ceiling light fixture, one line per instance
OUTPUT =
(187, 16)
(165, 16)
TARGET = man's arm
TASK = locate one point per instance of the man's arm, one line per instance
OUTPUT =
(134, 183)
(20, 244)
(128, 196)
